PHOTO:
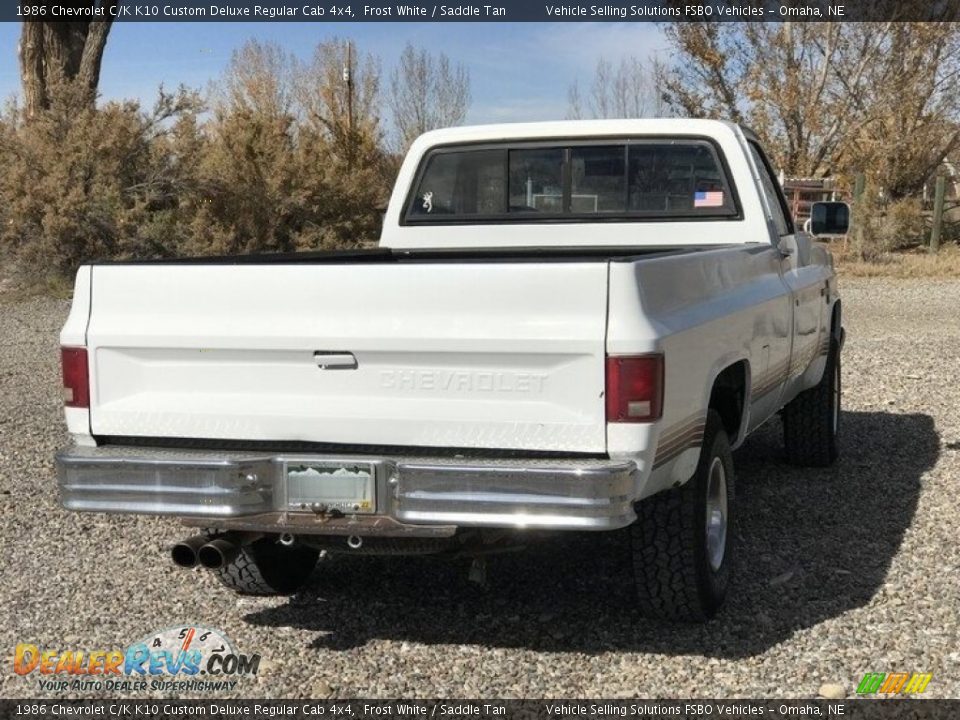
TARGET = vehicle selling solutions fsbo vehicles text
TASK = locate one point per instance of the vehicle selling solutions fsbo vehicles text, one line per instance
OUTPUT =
(604, 11)
(694, 11)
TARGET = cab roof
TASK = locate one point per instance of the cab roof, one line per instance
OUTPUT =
(576, 128)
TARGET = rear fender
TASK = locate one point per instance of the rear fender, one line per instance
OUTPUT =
(686, 463)
(74, 334)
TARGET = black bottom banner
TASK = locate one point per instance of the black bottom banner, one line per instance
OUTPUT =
(484, 709)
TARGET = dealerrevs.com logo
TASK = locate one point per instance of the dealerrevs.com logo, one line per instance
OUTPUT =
(178, 659)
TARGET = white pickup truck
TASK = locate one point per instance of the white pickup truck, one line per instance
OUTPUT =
(567, 326)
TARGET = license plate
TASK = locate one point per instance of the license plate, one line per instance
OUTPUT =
(326, 485)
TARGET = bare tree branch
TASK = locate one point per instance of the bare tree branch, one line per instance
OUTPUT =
(426, 92)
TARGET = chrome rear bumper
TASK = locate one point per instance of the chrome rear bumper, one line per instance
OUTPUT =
(414, 496)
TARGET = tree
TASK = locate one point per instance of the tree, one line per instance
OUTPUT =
(627, 90)
(259, 79)
(339, 92)
(911, 106)
(828, 98)
(58, 53)
(248, 176)
(346, 174)
(85, 183)
(426, 92)
(293, 158)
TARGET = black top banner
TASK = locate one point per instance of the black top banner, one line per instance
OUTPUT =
(483, 11)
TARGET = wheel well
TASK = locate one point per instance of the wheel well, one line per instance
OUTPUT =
(728, 395)
(835, 320)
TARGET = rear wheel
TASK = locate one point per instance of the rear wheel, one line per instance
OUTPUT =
(681, 542)
(266, 567)
(811, 421)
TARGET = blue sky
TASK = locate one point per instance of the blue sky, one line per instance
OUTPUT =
(519, 71)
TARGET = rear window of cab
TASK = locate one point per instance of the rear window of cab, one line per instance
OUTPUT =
(631, 179)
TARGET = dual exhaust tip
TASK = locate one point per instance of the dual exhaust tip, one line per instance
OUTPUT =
(214, 552)
(210, 552)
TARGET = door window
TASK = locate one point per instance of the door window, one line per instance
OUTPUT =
(771, 190)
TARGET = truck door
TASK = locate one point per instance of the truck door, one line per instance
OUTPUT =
(804, 280)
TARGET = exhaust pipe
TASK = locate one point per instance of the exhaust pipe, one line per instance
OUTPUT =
(217, 553)
(184, 553)
(223, 549)
(354, 542)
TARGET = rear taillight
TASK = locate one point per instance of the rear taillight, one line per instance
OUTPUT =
(634, 388)
(76, 378)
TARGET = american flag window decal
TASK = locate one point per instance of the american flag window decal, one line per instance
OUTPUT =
(708, 198)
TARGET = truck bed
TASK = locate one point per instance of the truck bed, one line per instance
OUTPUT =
(469, 350)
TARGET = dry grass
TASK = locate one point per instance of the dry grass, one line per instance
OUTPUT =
(912, 263)
(16, 289)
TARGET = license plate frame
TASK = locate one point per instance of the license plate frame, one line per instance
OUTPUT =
(345, 486)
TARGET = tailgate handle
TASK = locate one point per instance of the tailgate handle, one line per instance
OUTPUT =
(335, 360)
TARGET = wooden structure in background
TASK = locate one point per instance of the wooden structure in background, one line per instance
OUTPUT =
(801, 193)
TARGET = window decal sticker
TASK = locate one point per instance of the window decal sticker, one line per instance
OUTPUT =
(708, 198)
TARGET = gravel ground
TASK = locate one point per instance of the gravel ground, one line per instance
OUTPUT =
(840, 571)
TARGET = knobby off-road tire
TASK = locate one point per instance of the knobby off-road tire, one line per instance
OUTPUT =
(811, 421)
(679, 574)
(266, 567)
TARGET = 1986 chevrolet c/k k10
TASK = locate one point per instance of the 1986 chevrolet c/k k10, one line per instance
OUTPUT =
(567, 326)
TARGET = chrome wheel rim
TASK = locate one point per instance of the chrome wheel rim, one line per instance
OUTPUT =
(716, 513)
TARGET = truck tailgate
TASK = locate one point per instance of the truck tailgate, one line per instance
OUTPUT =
(460, 355)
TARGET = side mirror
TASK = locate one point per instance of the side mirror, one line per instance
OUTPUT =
(829, 219)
